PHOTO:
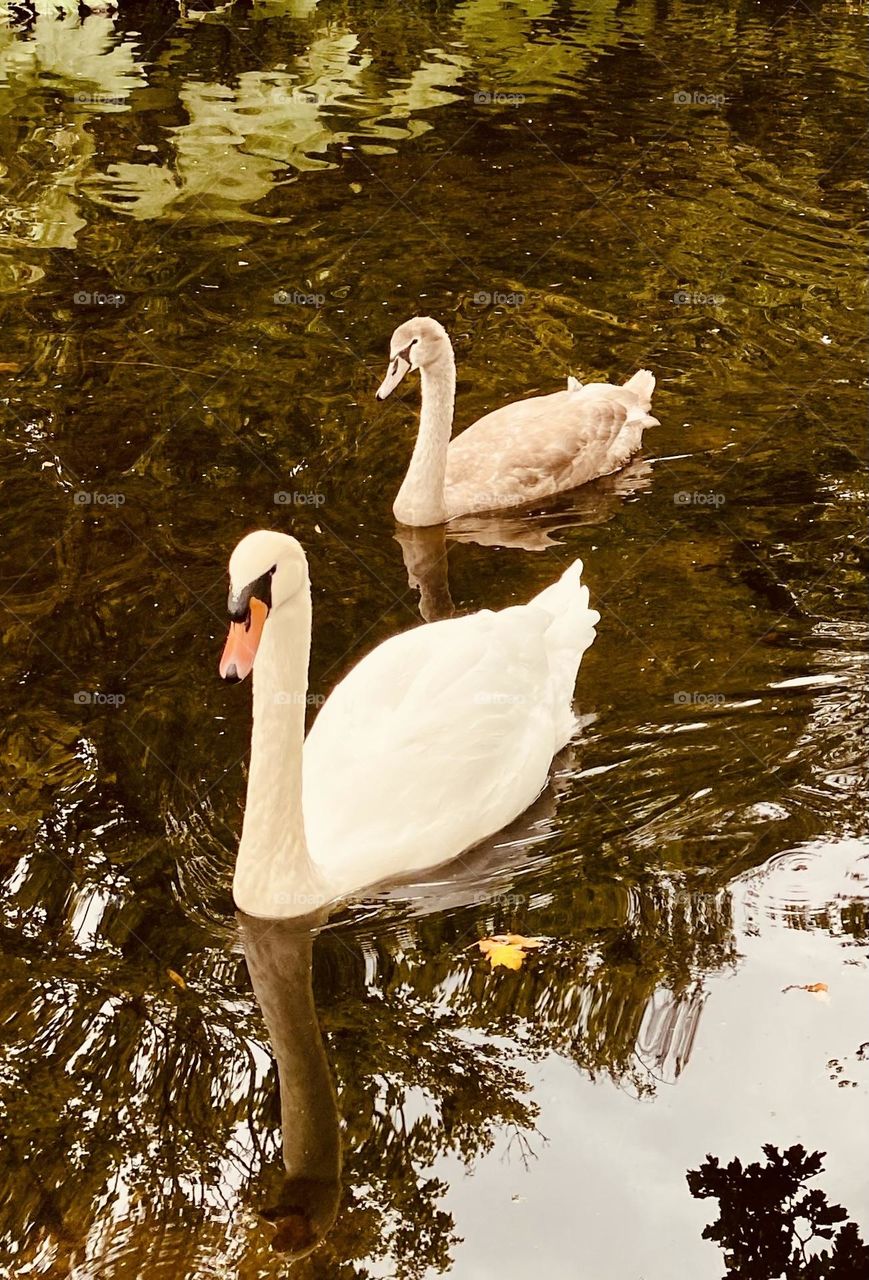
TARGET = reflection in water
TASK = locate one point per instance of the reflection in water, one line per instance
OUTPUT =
(94, 72)
(205, 161)
(669, 1027)
(425, 549)
(165, 1091)
(402, 1036)
(278, 955)
(821, 884)
(593, 504)
(770, 1226)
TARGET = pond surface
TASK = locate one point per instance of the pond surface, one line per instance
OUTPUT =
(212, 222)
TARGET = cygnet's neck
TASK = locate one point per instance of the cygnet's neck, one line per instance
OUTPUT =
(420, 499)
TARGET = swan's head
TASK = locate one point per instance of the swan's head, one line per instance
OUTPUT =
(266, 570)
(415, 344)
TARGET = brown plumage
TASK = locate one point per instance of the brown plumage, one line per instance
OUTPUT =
(521, 453)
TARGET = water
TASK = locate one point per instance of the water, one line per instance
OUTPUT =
(212, 222)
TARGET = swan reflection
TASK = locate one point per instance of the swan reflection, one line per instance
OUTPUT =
(639, 1032)
(278, 955)
(425, 550)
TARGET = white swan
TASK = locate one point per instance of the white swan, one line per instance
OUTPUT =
(435, 740)
(519, 454)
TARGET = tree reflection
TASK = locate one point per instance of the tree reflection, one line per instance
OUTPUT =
(130, 1103)
(770, 1226)
(140, 1123)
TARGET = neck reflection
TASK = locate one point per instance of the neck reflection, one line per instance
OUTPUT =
(279, 954)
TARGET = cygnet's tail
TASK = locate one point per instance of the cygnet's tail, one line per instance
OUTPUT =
(642, 384)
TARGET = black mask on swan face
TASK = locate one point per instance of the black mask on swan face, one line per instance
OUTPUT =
(265, 570)
(415, 344)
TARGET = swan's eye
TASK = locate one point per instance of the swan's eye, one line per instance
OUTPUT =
(260, 589)
(404, 355)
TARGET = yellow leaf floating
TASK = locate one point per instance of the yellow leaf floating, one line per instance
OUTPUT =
(177, 979)
(507, 950)
(500, 955)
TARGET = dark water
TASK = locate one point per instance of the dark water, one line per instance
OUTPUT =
(211, 224)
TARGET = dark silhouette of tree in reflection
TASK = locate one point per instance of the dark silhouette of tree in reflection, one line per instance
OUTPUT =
(768, 1221)
(125, 1075)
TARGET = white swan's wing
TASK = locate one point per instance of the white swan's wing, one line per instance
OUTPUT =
(435, 740)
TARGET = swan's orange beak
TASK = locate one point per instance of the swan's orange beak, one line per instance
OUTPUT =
(243, 642)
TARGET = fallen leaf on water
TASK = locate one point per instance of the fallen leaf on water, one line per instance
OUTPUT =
(9, 366)
(177, 979)
(507, 949)
(815, 987)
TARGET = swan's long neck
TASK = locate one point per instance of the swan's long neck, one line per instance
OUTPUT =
(274, 874)
(420, 499)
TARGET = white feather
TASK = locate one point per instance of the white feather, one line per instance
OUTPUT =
(443, 735)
